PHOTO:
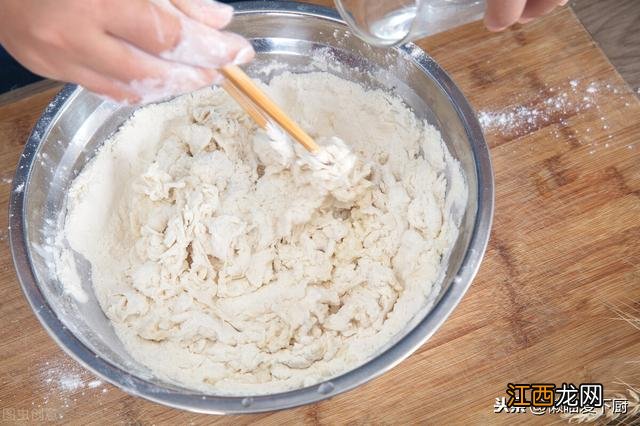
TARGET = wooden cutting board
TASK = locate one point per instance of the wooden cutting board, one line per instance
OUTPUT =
(564, 132)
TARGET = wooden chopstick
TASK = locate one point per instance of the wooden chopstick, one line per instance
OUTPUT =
(244, 89)
(246, 104)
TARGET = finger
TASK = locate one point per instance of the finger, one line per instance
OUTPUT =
(500, 14)
(211, 13)
(179, 81)
(155, 29)
(178, 38)
(100, 85)
(149, 77)
(117, 59)
(206, 47)
(66, 68)
(537, 8)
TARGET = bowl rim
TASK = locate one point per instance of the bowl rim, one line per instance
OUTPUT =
(209, 404)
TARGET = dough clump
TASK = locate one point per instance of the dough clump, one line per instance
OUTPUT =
(232, 265)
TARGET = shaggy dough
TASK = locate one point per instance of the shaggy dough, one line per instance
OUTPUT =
(229, 266)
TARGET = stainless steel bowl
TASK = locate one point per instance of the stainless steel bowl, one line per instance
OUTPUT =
(77, 122)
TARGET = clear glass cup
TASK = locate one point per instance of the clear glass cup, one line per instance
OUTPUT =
(392, 22)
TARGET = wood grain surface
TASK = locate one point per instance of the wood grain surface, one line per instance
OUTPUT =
(614, 25)
(564, 132)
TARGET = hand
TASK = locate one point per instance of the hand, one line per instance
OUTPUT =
(501, 14)
(133, 51)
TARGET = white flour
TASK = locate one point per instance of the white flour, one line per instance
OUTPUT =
(520, 119)
(199, 45)
(229, 267)
(63, 381)
(555, 106)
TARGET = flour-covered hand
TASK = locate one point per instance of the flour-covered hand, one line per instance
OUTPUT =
(133, 51)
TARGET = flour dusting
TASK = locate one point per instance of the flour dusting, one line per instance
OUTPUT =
(242, 268)
(555, 106)
(63, 381)
(560, 103)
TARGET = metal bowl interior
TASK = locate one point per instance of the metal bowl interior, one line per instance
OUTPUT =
(305, 38)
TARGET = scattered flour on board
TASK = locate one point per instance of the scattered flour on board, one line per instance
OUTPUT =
(63, 380)
(94, 384)
(6, 178)
(65, 375)
(558, 104)
(70, 382)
